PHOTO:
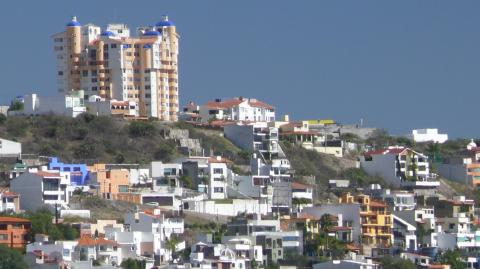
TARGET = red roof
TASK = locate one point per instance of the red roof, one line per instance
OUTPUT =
(47, 174)
(352, 247)
(377, 203)
(296, 185)
(10, 194)
(307, 216)
(7, 193)
(89, 241)
(13, 220)
(119, 103)
(224, 104)
(235, 102)
(216, 160)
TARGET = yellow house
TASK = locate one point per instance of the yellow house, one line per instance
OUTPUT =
(376, 221)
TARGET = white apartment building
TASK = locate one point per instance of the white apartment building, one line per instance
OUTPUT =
(237, 109)
(112, 64)
(428, 135)
(400, 166)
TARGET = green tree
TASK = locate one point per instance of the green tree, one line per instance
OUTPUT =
(3, 118)
(15, 106)
(453, 258)
(187, 181)
(11, 259)
(253, 264)
(379, 139)
(171, 245)
(132, 264)
(164, 152)
(141, 129)
(326, 222)
(389, 262)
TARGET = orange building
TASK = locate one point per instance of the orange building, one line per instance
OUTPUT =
(111, 182)
(376, 220)
(14, 232)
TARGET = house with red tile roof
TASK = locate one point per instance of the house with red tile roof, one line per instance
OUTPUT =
(9, 201)
(400, 166)
(14, 231)
(106, 251)
(237, 109)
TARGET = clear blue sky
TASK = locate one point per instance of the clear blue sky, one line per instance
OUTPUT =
(397, 64)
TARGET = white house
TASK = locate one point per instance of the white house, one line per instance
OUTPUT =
(253, 137)
(219, 175)
(9, 201)
(70, 105)
(302, 195)
(42, 188)
(400, 166)
(10, 148)
(404, 237)
(347, 264)
(160, 226)
(237, 109)
(428, 135)
(399, 200)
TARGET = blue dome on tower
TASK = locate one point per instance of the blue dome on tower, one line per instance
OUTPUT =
(164, 22)
(107, 33)
(152, 33)
(73, 22)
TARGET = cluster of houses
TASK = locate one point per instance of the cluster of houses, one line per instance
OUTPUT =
(270, 218)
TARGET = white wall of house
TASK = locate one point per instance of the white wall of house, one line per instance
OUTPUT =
(10, 148)
(218, 180)
(428, 135)
(233, 208)
(382, 165)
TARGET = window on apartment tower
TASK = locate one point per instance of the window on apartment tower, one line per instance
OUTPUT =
(60, 73)
(113, 46)
(218, 189)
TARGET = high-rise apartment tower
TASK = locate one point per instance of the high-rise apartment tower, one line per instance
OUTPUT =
(111, 64)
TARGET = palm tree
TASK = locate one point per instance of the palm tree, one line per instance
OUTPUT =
(326, 222)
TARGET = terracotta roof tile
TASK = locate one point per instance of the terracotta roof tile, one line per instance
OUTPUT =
(235, 102)
(87, 240)
(297, 185)
(47, 174)
(13, 219)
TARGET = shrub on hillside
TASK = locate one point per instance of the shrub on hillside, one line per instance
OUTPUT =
(141, 129)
